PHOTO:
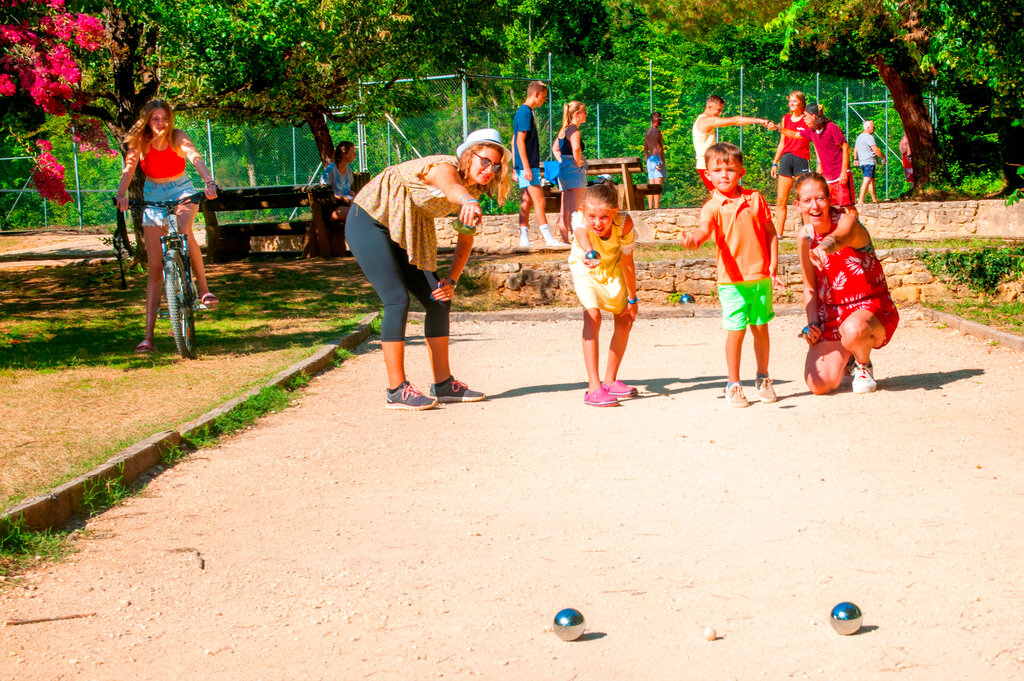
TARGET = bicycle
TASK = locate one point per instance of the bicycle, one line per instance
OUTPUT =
(179, 287)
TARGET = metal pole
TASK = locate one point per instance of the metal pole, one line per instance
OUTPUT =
(209, 147)
(846, 111)
(465, 111)
(598, 107)
(388, 128)
(78, 185)
(295, 174)
(551, 139)
(885, 151)
(46, 214)
(741, 106)
(817, 88)
(650, 82)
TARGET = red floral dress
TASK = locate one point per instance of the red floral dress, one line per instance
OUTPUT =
(851, 279)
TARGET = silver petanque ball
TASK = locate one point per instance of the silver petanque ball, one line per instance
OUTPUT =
(686, 299)
(569, 624)
(846, 618)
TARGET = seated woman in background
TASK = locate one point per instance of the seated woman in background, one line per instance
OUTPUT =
(339, 176)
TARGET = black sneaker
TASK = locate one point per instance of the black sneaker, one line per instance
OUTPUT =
(408, 398)
(453, 390)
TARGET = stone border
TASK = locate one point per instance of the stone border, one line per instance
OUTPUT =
(52, 510)
(974, 328)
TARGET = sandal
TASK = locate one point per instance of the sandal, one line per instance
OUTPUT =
(144, 347)
(208, 299)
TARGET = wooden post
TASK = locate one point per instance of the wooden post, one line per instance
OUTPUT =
(212, 234)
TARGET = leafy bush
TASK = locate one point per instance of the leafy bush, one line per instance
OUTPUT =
(981, 270)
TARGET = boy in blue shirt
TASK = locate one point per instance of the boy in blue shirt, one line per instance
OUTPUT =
(526, 162)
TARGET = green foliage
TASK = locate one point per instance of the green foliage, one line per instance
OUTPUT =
(981, 270)
(268, 400)
(101, 494)
(20, 546)
(173, 455)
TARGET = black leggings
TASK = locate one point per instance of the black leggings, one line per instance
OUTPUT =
(387, 268)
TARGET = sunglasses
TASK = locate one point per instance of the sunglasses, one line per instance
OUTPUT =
(486, 163)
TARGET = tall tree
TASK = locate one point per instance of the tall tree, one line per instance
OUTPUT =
(305, 60)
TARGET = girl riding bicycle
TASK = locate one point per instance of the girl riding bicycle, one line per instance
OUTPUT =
(161, 151)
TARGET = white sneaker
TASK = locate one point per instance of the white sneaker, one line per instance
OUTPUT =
(734, 396)
(524, 241)
(863, 378)
(765, 389)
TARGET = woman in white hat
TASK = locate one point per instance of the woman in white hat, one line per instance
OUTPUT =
(390, 231)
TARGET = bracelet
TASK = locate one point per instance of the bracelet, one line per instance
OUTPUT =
(632, 301)
(469, 199)
(450, 281)
(774, 164)
(213, 182)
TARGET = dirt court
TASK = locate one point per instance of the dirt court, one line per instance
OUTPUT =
(337, 540)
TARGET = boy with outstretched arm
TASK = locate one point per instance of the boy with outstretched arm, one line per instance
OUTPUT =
(748, 259)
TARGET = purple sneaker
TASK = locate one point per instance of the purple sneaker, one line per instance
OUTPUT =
(620, 389)
(599, 398)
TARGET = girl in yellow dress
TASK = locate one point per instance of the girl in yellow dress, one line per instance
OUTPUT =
(604, 276)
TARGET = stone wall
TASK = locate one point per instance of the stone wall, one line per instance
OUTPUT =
(894, 220)
(543, 282)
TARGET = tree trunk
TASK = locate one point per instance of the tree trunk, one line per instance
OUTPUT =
(908, 99)
(321, 135)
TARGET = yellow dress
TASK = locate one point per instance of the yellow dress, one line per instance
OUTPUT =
(604, 286)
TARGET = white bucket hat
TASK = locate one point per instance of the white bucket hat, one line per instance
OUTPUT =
(485, 136)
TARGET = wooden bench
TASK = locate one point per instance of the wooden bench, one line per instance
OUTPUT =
(321, 236)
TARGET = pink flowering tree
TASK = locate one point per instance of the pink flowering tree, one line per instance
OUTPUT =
(41, 44)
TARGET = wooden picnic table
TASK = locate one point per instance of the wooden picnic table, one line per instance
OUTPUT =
(230, 240)
(625, 166)
(632, 197)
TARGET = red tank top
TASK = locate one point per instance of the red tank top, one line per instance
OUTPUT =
(160, 164)
(798, 147)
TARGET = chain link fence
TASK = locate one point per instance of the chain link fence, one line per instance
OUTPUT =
(619, 114)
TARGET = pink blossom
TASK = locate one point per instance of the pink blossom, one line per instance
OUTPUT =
(48, 177)
(7, 86)
(90, 32)
(45, 145)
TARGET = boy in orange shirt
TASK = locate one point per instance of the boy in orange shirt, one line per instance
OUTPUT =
(748, 258)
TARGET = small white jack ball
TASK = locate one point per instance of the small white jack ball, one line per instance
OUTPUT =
(710, 634)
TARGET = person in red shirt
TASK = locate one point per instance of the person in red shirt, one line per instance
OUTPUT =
(849, 309)
(833, 153)
(160, 150)
(792, 157)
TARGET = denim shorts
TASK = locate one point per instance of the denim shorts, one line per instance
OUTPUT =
(524, 183)
(570, 176)
(163, 191)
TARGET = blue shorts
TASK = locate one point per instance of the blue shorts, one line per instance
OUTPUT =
(571, 177)
(524, 183)
(654, 172)
(869, 171)
(747, 303)
(163, 191)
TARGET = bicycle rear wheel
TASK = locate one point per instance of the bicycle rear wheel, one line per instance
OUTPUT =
(179, 304)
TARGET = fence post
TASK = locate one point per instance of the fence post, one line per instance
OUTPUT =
(741, 106)
(846, 111)
(551, 83)
(465, 110)
(598, 130)
(78, 184)
(817, 88)
(650, 82)
(295, 172)
(209, 147)
(885, 151)
(388, 128)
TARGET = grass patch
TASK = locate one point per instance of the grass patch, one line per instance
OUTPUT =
(1008, 317)
(74, 393)
(99, 495)
(22, 548)
(267, 401)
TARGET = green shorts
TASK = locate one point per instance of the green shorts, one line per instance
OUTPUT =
(748, 303)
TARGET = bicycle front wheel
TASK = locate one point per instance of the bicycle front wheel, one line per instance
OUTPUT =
(179, 304)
